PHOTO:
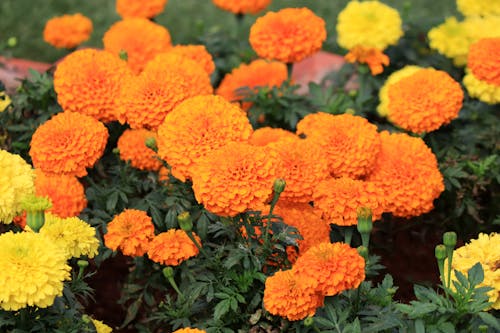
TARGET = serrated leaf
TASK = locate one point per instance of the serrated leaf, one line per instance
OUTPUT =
(475, 275)
(221, 309)
(132, 311)
(490, 320)
(111, 202)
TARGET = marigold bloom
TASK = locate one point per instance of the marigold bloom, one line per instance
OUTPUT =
(266, 135)
(481, 90)
(258, 73)
(100, 327)
(189, 330)
(334, 266)
(291, 295)
(350, 143)
(132, 147)
(374, 58)
(74, 236)
(67, 31)
(235, 178)
(484, 60)
(89, 82)
(406, 171)
(198, 53)
(140, 38)
(196, 127)
(424, 101)
(338, 199)
(368, 24)
(288, 35)
(478, 7)
(143, 8)
(165, 82)
(131, 232)
(172, 247)
(242, 6)
(32, 271)
(68, 143)
(16, 183)
(66, 193)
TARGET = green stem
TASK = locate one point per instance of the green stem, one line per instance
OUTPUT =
(174, 285)
(348, 231)
(289, 67)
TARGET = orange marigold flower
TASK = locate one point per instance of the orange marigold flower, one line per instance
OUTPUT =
(338, 199)
(143, 8)
(258, 73)
(68, 143)
(189, 330)
(334, 266)
(66, 193)
(350, 143)
(407, 172)
(235, 178)
(165, 82)
(89, 82)
(131, 232)
(288, 35)
(172, 247)
(196, 127)
(266, 135)
(242, 6)
(291, 295)
(374, 58)
(140, 38)
(67, 31)
(424, 101)
(484, 60)
(132, 147)
(198, 53)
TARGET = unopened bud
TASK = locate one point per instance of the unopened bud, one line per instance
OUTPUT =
(279, 185)
(168, 272)
(82, 263)
(365, 224)
(450, 239)
(35, 211)
(151, 144)
(309, 321)
(363, 251)
(483, 328)
(440, 252)
(12, 41)
(185, 221)
(123, 55)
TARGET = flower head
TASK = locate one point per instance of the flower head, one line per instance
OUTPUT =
(478, 7)
(288, 35)
(16, 183)
(131, 232)
(484, 60)
(374, 58)
(172, 247)
(484, 91)
(67, 31)
(89, 81)
(68, 143)
(132, 147)
(198, 53)
(242, 6)
(100, 327)
(32, 270)
(144, 8)
(196, 127)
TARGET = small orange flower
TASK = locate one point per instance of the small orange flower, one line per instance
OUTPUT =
(424, 101)
(266, 135)
(242, 6)
(409, 187)
(67, 31)
(334, 266)
(143, 8)
(374, 58)
(196, 127)
(258, 73)
(131, 232)
(198, 53)
(350, 143)
(89, 82)
(189, 330)
(172, 247)
(68, 143)
(132, 147)
(291, 295)
(484, 60)
(66, 193)
(140, 38)
(288, 35)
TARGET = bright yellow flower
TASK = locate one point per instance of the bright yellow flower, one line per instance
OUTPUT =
(101, 327)
(4, 101)
(482, 90)
(479, 7)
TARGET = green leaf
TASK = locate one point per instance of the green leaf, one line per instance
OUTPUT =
(111, 202)
(475, 275)
(132, 311)
(490, 320)
(221, 309)
(419, 326)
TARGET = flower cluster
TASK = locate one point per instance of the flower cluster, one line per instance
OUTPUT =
(67, 31)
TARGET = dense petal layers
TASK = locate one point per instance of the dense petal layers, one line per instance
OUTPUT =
(133, 149)
(478, 7)
(173, 247)
(198, 53)
(67, 31)
(143, 8)
(484, 60)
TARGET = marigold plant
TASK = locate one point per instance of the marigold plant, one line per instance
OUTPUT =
(67, 31)
(198, 53)
(242, 6)
(144, 8)
(173, 247)
(133, 149)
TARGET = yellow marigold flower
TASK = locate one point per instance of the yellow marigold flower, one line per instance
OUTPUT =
(258, 73)
(334, 266)
(368, 24)
(143, 8)
(235, 178)
(89, 82)
(266, 135)
(374, 58)
(408, 187)
(424, 101)
(350, 143)
(5, 101)
(291, 295)
(16, 183)
(288, 35)
(478, 7)
(101, 327)
(196, 127)
(131, 232)
(68, 143)
(32, 271)
(242, 6)
(338, 199)
(481, 90)
(165, 82)
(74, 236)
(198, 53)
(132, 147)
(484, 60)
(485, 250)
(172, 247)
(67, 31)
(189, 330)
(139, 38)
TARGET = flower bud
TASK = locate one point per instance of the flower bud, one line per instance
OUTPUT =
(12, 41)
(35, 211)
(440, 252)
(168, 272)
(151, 144)
(82, 263)
(365, 224)
(279, 185)
(363, 251)
(185, 221)
(450, 239)
(123, 55)
(309, 321)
